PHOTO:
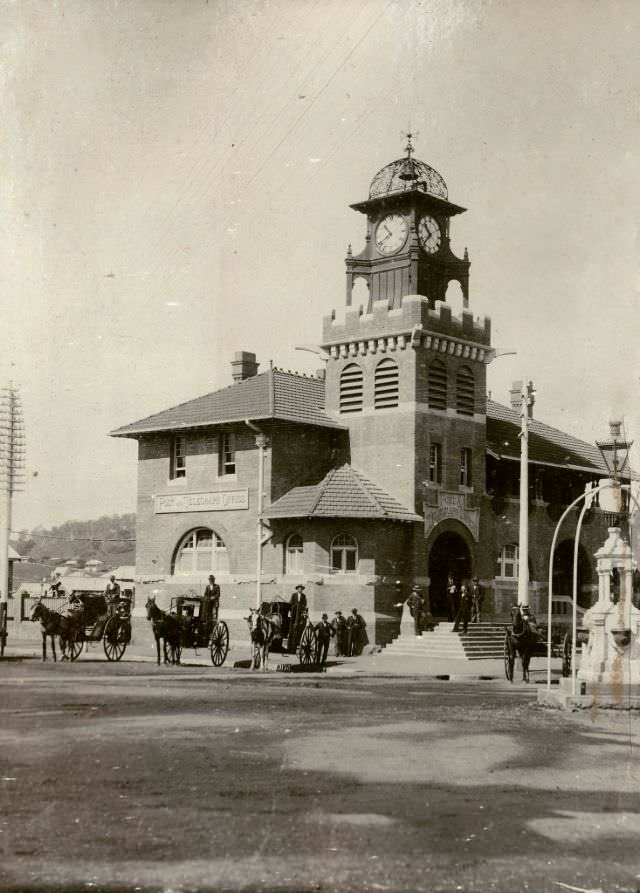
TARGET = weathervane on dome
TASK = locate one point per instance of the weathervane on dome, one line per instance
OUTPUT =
(409, 174)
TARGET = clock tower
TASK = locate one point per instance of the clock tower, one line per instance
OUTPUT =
(407, 248)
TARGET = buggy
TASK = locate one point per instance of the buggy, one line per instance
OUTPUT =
(96, 618)
(535, 645)
(200, 627)
(302, 641)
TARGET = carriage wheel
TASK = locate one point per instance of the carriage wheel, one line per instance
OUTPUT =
(566, 656)
(219, 643)
(307, 646)
(509, 657)
(75, 645)
(116, 636)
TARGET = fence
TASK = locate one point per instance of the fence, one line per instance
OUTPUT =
(54, 603)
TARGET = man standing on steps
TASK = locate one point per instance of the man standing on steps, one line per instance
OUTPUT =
(464, 611)
(415, 603)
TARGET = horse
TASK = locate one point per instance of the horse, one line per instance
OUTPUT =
(263, 631)
(523, 636)
(52, 624)
(167, 627)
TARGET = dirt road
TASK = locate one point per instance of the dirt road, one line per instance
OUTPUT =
(132, 777)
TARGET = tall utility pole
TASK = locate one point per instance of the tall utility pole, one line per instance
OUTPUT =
(12, 448)
(526, 411)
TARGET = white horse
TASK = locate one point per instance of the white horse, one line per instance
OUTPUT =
(263, 630)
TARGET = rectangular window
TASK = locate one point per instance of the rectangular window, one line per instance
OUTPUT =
(508, 562)
(465, 467)
(227, 454)
(178, 467)
(435, 463)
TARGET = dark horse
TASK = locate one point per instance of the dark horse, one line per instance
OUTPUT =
(52, 625)
(523, 636)
(167, 627)
(263, 631)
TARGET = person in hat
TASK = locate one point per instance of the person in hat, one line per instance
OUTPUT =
(210, 600)
(324, 633)
(112, 590)
(464, 610)
(357, 629)
(415, 603)
(297, 617)
(340, 630)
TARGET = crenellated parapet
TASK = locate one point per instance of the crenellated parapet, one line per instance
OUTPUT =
(414, 324)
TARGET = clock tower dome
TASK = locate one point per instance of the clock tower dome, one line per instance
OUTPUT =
(407, 249)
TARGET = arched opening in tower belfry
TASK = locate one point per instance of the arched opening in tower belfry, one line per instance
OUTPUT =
(449, 556)
(360, 293)
(455, 298)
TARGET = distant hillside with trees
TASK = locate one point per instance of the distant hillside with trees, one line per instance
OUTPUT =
(109, 539)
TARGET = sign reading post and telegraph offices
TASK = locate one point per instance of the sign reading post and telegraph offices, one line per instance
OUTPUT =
(220, 501)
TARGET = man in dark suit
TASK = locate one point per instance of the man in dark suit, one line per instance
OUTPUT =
(324, 632)
(297, 617)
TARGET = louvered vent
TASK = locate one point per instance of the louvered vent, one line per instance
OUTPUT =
(437, 385)
(465, 391)
(351, 389)
(386, 385)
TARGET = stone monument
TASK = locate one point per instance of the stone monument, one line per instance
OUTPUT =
(612, 653)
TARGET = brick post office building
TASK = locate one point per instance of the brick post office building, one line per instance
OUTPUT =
(389, 468)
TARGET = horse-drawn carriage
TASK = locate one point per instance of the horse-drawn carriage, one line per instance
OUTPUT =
(191, 622)
(526, 639)
(276, 627)
(95, 618)
(90, 617)
(200, 627)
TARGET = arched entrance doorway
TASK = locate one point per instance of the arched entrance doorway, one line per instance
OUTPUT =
(449, 554)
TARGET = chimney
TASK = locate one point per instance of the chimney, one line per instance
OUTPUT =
(243, 365)
(515, 395)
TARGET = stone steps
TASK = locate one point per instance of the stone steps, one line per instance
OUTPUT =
(481, 641)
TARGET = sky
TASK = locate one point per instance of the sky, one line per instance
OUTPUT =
(176, 180)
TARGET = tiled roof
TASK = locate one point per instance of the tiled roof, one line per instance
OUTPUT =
(342, 493)
(547, 445)
(275, 394)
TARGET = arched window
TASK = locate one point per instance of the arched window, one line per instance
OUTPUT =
(201, 550)
(508, 562)
(344, 554)
(465, 391)
(385, 393)
(294, 554)
(351, 388)
(437, 385)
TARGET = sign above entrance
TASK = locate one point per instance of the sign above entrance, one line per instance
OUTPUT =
(220, 501)
(450, 504)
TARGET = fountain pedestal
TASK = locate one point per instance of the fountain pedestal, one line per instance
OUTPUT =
(612, 654)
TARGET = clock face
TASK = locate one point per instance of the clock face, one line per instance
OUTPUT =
(429, 234)
(391, 233)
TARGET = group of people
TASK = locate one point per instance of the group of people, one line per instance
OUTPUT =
(464, 603)
(350, 633)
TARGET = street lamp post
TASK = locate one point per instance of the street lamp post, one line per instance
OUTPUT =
(526, 409)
